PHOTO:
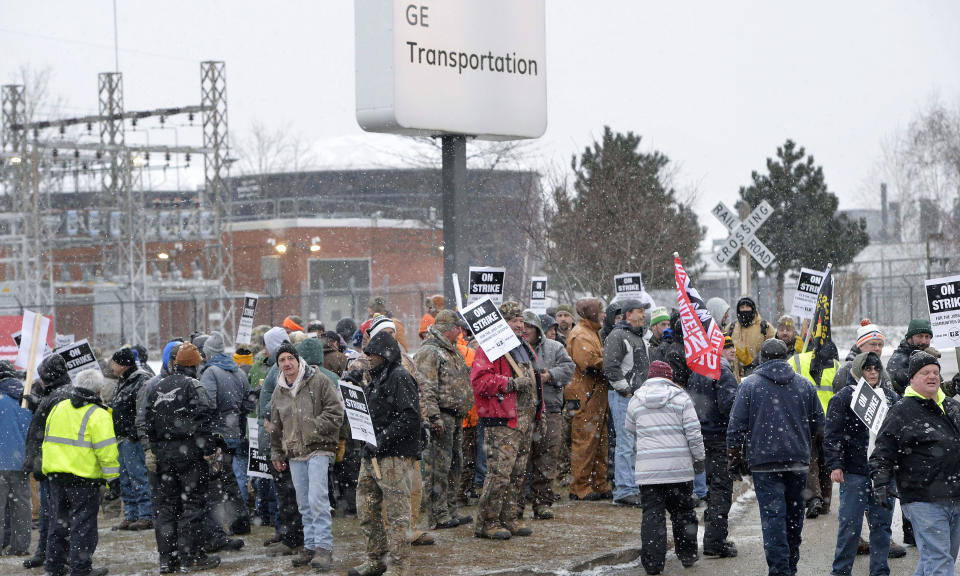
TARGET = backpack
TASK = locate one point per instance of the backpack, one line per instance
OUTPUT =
(175, 409)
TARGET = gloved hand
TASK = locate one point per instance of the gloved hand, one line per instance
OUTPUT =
(883, 494)
(215, 460)
(150, 460)
(368, 450)
(519, 384)
(354, 377)
(734, 463)
(699, 466)
(622, 387)
(113, 489)
(341, 450)
(744, 356)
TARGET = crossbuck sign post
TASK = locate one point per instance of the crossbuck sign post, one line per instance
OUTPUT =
(743, 240)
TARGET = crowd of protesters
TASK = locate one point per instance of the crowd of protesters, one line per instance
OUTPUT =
(597, 399)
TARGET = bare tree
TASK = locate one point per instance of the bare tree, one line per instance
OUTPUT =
(264, 150)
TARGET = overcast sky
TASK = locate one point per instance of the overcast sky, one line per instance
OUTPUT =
(716, 86)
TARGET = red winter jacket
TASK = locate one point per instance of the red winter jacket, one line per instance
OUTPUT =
(489, 381)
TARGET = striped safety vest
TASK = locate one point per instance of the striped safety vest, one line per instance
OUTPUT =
(80, 441)
(801, 365)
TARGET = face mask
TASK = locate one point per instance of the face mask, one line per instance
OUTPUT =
(746, 317)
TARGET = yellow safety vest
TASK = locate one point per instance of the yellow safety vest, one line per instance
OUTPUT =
(801, 365)
(80, 441)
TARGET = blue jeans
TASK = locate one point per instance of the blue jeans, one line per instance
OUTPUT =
(134, 489)
(936, 526)
(310, 482)
(855, 499)
(241, 451)
(625, 454)
(266, 500)
(700, 485)
(780, 496)
(481, 473)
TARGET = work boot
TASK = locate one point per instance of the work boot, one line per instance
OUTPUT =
(813, 508)
(125, 525)
(518, 529)
(169, 566)
(282, 549)
(322, 560)
(368, 568)
(542, 513)
(726, 550)
(446, 523)
(304, 558)
(461, 520)
(225, 544)
(632, 500)
(35, 561)
(863, 547)
(424, 539)
(142, 524)
(896, 550)
(275, 539)
(493, 532)
(98, 572)
(688, 562)
(204, 562)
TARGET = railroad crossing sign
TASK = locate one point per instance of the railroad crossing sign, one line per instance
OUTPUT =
(742, 234)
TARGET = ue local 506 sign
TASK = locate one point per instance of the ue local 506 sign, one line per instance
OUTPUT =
(452, 67)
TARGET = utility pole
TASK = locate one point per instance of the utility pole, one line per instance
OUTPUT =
(454, 179)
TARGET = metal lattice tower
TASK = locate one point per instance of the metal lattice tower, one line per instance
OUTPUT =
(31, 246)
(216, 196)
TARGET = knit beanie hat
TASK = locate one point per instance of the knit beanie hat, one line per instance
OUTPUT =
(727, 342)
(511, 309)
(293, 323)
(273, 339)
(125, 357)
(446, 320)
(773, 349)
(188, 355)
(660, 369)
(214, 344)
(90, 379)
(919, 326)
(288, 348)
(868, 331)
(379, 323)
(660, 314)
(565, 308)
(53, 369)
(919, 359)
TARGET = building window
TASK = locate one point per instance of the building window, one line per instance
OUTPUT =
(339, 288)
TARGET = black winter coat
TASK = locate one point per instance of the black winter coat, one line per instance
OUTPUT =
(920, 445)
(181, 394)
(899, 367)
(845, 436)
(394, 402)
(713, 400)
(125, 403)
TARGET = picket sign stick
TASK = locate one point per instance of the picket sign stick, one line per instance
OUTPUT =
(32, 358)
(376, 467)
(513, 363)
(813, 324)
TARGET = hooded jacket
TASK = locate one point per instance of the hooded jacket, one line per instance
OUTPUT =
(307, 419)
(625, 361)
(51, 393)
(443, 376)
(552, 356)
(190, 438)
(79, 443)
(899, 367)
(665, 423)
(845, 436)
(842, 378)
(748, 339)
(718, 308)
(227, 387)
(919, 443)
(394, 402)
(586, 351)
(672, 352)
(777, 411)
(713, 400)
(14, 423)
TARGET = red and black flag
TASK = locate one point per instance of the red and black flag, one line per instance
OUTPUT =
(702, 337)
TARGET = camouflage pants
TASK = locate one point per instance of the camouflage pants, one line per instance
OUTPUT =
(563, 454)
(385, 498)
(507, 450)
(543, 459)
(442, 466)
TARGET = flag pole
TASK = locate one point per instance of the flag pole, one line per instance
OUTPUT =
(813, 324)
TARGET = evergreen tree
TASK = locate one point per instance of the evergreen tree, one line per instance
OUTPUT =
(805, 229)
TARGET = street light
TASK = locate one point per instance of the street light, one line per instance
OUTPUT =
(281, 248)
(163, 256)
(315, 244)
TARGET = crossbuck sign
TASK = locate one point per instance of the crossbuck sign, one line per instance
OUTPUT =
(743, 234)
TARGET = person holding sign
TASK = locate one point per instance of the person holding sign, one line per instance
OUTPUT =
(919, 447)
(846, 441)
(509, 400)
(306, 419)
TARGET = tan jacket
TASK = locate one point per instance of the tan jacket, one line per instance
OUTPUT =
(309, 421)
(586, 350)
(443, 376)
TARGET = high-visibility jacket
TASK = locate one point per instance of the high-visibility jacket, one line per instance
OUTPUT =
(80, 441)
(801, 365)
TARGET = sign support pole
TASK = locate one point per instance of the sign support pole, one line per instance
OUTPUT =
(745, 268)
(454, 182)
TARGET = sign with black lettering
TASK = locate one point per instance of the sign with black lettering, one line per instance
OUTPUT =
(538, 294)
(805, 299)
(943, 302)
(358, 413)
(79, 357)
(485, 282)
(492, 332)
(871, 408)
(628, 285)
(245, 328)
(257, 465)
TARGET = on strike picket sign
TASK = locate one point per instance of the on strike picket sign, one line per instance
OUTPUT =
(257, 465)
(870, 407)
(492, 332)
(628, 285)
(805, 299)
(79, 356)
(245, 329)
(485, 282)
(358, 413)
(943, 302)
(538, 294)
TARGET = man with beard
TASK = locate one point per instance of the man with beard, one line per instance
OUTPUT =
(748, 334)
(565, 320)
(787, 333)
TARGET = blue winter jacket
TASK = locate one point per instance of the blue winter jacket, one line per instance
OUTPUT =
(713, 400)
(14, 423)
(778, 413)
